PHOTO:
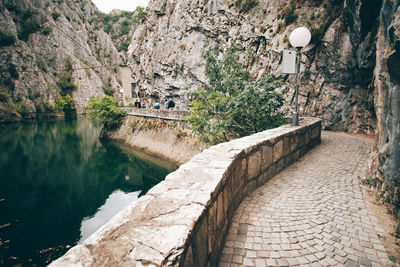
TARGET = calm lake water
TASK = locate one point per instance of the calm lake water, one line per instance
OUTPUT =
(59, 184)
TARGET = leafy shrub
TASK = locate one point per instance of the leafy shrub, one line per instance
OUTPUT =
(67, 105)
(108, 28)
(245, 6)
(123, 46)
(47, 106)
(289, 13)
(6, 38)
(4, 95)
(125, 27)
(318, 33)
(55, 15)
(22, 109)
(66, 83)
(47, 30)
(68, 64)
(236, 106)
(141, 14)
(40, 64)
(28, 27)
(107, 88)
(103, 111)
(13, 71)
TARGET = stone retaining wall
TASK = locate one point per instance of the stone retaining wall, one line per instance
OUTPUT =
(183, 221)
(166, 114)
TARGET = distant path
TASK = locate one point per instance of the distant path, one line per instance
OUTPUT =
(314, 213)
(164, 114)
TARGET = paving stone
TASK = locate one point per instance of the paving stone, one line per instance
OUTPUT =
(260, 263)
(313, 213)
(350, 263)
(302, 260)
(247, 262)
(237, 259)
(365, 262)
(251, 254)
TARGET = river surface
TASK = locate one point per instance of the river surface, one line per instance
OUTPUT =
(59, 184)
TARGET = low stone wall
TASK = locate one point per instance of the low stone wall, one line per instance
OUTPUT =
(166, 114)
(183, 221)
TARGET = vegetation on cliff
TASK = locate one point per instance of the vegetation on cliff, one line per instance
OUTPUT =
(120, 25)
(104, 112)
(236, 105)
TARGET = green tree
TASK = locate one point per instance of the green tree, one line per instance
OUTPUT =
(67, 105)
(236, 105)
(103, 111)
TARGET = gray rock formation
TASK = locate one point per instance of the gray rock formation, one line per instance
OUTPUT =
(336, 82)
(46, 33)
(386, 157)
(350, 74)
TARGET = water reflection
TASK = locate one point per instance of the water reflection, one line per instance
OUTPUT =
(114, 203)
(53, 176)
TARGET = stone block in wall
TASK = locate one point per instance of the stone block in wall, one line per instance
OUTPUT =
(212, 217)
(280, 165)
(286, 145)
(278, 150)
(308, 136)
(239, 176)
(295, 143)
(254, 165)
(266, 157)
(189, 261)
(220, 209)
(263, 178)
(200, 244)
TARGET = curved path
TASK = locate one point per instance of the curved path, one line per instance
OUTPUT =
(314, 213)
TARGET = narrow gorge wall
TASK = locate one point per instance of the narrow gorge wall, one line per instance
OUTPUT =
(37, 39)
(337, 76)
(386, 156)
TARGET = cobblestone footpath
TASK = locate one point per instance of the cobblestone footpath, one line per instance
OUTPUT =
(314, 213)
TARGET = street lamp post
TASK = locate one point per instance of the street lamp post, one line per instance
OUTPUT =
(299, 38)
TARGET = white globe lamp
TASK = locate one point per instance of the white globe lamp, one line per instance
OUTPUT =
(300, 37)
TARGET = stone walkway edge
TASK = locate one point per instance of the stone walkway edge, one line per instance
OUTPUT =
(313, 213)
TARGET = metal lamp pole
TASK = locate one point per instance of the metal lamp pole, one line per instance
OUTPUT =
(295, 118)
(299, 38)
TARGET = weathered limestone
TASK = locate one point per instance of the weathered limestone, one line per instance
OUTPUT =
(183, 221)
(156, 135)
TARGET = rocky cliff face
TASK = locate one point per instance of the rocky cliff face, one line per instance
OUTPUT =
(47, 47)
(337, 75)
(386, 156)
(350, 75)
(120, 25)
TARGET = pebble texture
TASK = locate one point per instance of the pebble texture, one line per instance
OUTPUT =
(313, 213)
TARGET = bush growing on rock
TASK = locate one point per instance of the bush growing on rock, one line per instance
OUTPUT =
(67, 105)
(6, 38)
(236, 105)
(103, 111)
(245, 6)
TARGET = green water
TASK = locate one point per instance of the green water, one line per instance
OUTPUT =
(59, 184)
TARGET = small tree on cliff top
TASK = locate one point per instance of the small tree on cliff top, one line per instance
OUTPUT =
(237, 105)
(103, 111)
